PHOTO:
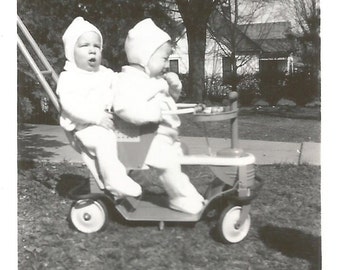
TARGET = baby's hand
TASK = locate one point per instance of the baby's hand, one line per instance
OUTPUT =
(173, 80)
(175, 85)
(106, 120)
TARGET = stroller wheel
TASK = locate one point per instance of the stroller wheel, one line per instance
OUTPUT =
(227, 225)
(88, 216)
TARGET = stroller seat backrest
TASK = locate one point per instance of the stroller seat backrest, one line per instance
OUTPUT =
(133, 142)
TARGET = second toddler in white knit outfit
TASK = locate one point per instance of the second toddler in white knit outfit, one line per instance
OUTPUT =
(85, 93)
(145, 94)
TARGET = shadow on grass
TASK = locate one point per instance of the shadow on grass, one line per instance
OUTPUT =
(72, 182)
(293, 243)
(215, 234)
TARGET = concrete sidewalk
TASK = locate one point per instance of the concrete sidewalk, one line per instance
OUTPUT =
(49, 143)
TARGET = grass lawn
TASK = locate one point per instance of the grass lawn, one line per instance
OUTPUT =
(284, 124)
(285, 231)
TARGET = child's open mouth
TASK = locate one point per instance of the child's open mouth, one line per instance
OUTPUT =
(92, 60)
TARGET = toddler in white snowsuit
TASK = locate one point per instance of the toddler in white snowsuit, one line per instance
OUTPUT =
(85, 93)
(144, 94)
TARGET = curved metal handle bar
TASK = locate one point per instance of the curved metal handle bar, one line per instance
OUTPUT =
(179, 111)
(186, 105)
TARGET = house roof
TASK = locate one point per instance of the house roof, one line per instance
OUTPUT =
(268, 39)
(275, 47)
(271, 37)
(273, 30)
(223, 30)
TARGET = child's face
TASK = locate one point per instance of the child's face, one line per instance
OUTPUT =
(159, 60)
(87, 51)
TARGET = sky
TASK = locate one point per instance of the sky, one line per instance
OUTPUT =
(271, 12)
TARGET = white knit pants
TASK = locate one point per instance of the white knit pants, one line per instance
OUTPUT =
(164, 156)
(102, 143)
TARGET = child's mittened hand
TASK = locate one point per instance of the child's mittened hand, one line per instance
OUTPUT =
(106, 120)
(173, 80)
(175, 85)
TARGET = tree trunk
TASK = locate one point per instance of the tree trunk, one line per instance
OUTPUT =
(195, 16)
(234, 46)
(196, 46)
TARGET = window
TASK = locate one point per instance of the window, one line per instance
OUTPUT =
(174, 65)
(227, 70)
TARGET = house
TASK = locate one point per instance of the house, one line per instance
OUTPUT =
(276, 50)
(259, 47)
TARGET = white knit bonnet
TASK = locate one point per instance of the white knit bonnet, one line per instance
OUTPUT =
(143, 40)
(78, 27)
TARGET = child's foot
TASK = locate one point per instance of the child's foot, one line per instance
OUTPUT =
(186, 205)
(125, 188)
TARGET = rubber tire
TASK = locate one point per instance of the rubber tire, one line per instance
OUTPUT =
(89, 218)
(226, 225)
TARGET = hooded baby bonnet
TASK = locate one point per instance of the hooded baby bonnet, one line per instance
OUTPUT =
(143, 40)
(78, 27)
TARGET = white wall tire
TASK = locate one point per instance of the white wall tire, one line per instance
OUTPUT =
(88, 216)
(226, 225)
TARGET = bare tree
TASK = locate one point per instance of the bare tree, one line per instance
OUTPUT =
(225, 31)
(195, 15)
(306, 14)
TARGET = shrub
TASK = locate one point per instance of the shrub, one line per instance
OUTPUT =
(300, 87)
(271, 92)
(272, 86)
(33, 106)
(215, 90)
(248, 89)
(25, 109)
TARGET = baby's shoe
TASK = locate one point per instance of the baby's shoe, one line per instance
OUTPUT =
(186, 205)
(125, 188)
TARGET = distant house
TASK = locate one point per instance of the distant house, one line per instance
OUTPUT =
(260, 47)
(276, 49)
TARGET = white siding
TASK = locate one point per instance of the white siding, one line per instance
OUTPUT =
(181, 54)
(213, 58)
(250, 67)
